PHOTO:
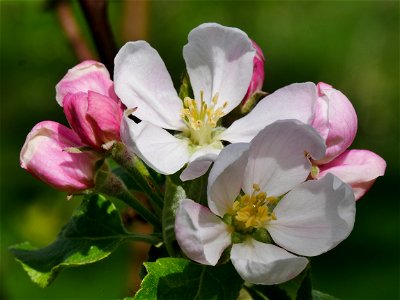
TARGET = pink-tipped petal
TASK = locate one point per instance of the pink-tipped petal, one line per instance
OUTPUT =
(199, 163)
(335, 119)
(201, 235)
(44, 156)
(261, 263)
(226, 178)
(157, 147)
(278, 157)
(86, 76)
(142, 80)
(358, 168)
(295, 101)
(314, 217)
(219, 60)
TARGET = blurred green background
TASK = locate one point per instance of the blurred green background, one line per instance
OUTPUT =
(352, 45)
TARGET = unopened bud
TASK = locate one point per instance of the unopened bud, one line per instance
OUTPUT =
(254, 92)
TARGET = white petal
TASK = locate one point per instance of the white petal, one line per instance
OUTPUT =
(295, 101)
(262, 263)
(219, 59)
(199, 163)
(226, 177)
(277, 160)
(314, 217)
(142, 80)
(201, 235)
(157, 147)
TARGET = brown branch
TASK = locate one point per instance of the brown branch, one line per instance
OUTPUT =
(95, 12)
(71, 29)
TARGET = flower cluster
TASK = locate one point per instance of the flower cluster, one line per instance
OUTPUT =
(282, 183)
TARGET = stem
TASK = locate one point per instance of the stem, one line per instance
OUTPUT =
(138, 171)
(95, 12)
(109, 184)
(151, 239)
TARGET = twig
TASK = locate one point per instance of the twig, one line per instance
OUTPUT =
(95, 12)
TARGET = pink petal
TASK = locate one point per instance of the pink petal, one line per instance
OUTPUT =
(278, 157)
(295, 101)
(226, 178)
(87, 76)
(106, 114)
(335, 119)
(358, 168)
(219, 59)
(155, 146)
(43, 155)
(314, 217)
(142, 80)
(201, 235)
(75, 109)
(257, 79)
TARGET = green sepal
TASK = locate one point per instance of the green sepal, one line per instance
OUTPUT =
(93, 233)
(178, 278)
(251, 102)
(184, 90)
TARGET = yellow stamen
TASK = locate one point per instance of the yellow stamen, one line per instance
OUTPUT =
(252, 211)
(201, 118)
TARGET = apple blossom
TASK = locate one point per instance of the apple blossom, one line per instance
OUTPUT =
(260, 206)
(336, 121)
(92, 109)
(219, 61)
(45, 155)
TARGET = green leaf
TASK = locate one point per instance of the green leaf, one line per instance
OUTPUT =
(178, 278)
(317, 295)
(175, 191)
(93, 233)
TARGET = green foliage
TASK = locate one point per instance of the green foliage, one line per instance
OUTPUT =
(93, 233)
(317, 295)
(177, 278)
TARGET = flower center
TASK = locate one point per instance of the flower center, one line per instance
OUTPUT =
(201, 118)
(253, 211)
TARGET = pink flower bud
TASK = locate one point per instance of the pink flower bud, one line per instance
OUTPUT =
(90, 104)
(44, 155)
(87, 76)
(258, 74)
(94, 117)
(335, 119)
(358, 168)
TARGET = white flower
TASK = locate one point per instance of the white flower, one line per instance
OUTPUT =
(260, 205)
(219, 61)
